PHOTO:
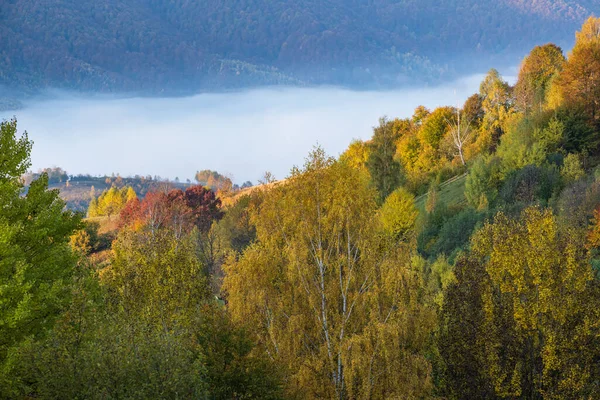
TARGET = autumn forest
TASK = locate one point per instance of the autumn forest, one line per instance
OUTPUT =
(453, 255)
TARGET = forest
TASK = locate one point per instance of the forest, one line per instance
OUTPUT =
(174, 46)
(454, 255)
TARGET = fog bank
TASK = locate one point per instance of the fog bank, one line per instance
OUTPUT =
(243, 134)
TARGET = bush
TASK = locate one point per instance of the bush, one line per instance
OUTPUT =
(529, 185)
(456, 232)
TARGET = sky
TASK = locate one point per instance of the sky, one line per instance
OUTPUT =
(242, 134)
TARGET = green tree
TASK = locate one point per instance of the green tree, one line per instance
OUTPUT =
(481, 185)
(148, 329)
(435, 126)
(464, 333)
(36, 261)
(552, 136)
(525, 143)
(385, 171)
(579, 134)
(433, 194)
(572, 169)
(235, 227)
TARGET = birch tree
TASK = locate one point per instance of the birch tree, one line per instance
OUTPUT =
(460, 132)
(308, 288)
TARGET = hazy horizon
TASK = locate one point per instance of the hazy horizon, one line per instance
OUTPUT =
(242, 134)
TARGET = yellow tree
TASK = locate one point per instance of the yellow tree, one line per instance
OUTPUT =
(128, 194)
(535, 76)
(399, 214)
(387, 359)
(357, 154)
(435, 126)
(544, 276)
(156, 275)
(589, 33)
(579, 82)
(111, 201)
(497, 104)
(309, 288)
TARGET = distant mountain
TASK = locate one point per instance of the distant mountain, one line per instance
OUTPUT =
(171, 45)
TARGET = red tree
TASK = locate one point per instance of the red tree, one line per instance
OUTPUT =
(177, 210)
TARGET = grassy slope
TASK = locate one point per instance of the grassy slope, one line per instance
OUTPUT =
(77, 194)
(452, 192)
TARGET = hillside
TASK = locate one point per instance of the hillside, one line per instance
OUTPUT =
(164, 46)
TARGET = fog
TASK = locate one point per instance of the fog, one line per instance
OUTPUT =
(242, 134)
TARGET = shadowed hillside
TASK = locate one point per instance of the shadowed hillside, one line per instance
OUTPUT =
(168, 46)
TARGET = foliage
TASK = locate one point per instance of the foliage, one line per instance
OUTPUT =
(536, 73)
(473, 109)
(435, 126)
(398, 215)
(235, 227)
(579, 82)
(214, 180)
(36, 261)
(196, 207)
(524, 143)
(547, 299)
(576, 203)
(384, 169)
(496, 100)
(349, 280)
(111, 201)
(432, 195)
(579, 135)
(325, 306)
(55, 175)
(481, 186)
(357, 154)
(572, 169)
(464, 332)
(454, 235)
(147, 329)
(530, 185)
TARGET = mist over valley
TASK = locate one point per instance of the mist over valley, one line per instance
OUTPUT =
(243, 134)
